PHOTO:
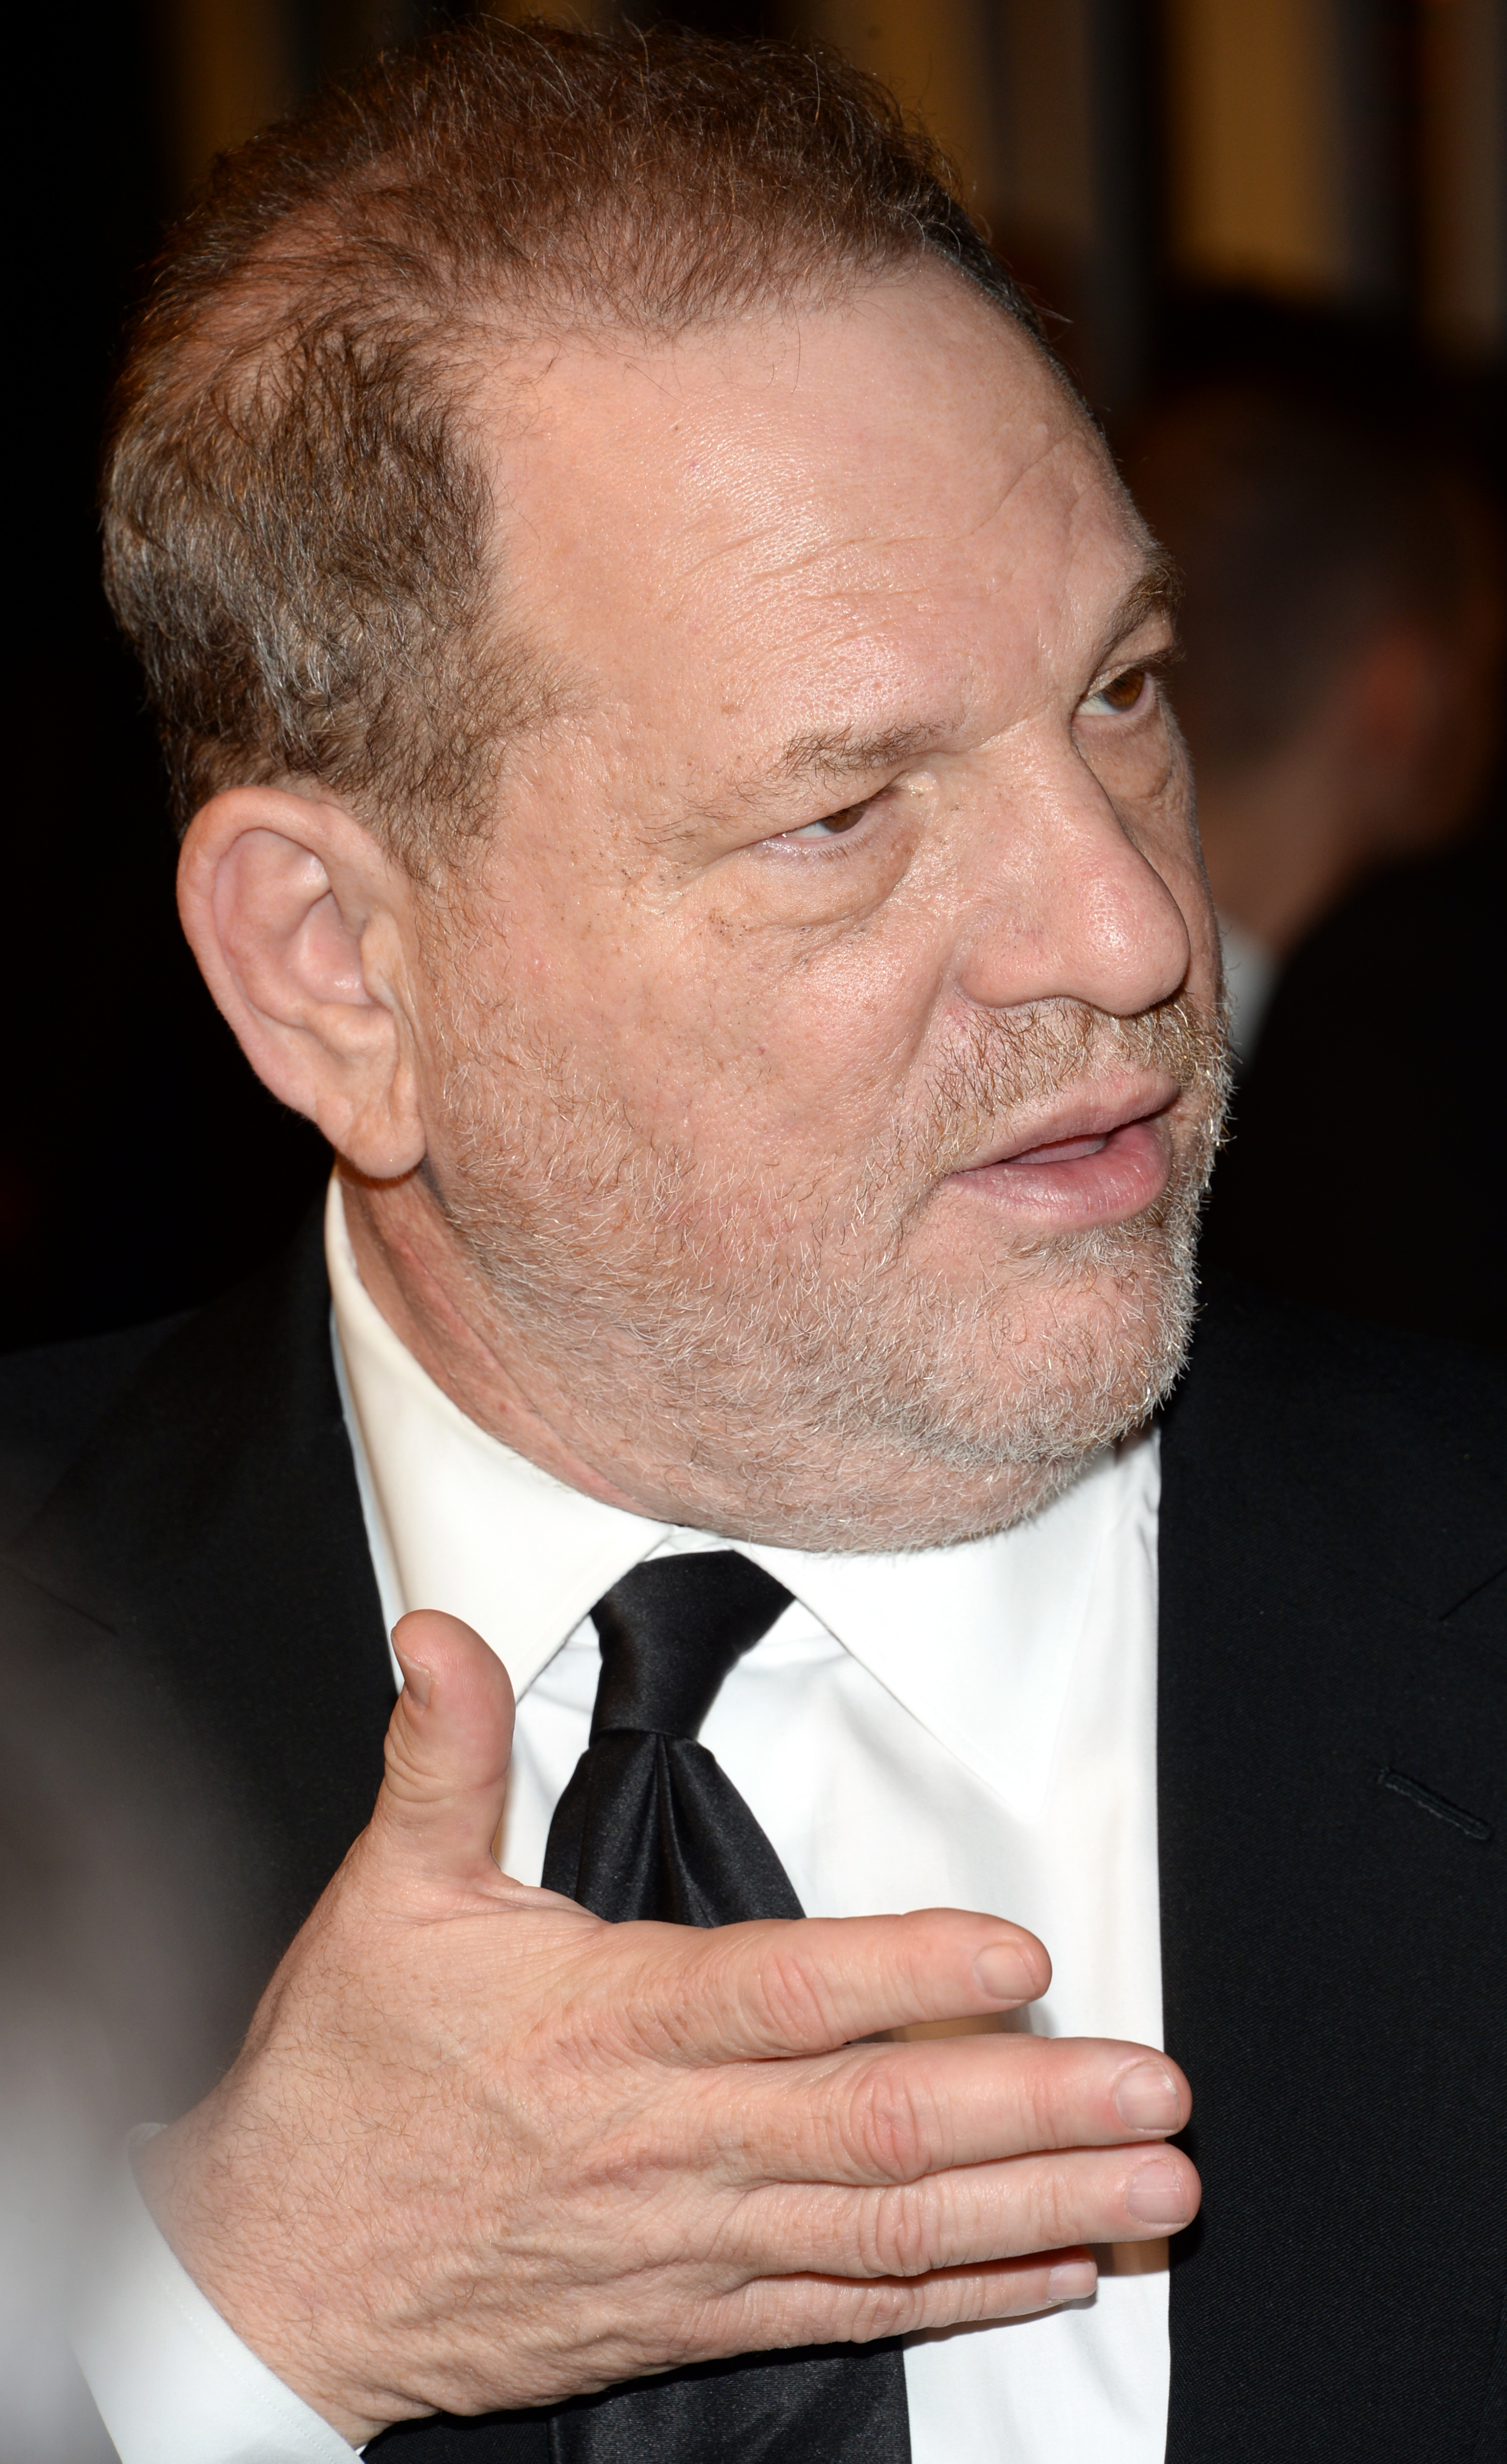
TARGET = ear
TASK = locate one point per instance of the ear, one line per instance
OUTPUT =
(299, 921)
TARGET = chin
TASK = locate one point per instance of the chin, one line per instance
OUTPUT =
(962, 1414)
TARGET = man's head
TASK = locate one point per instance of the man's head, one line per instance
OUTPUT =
(691, 1003)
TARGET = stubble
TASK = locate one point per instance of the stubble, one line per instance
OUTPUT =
(781, 1352)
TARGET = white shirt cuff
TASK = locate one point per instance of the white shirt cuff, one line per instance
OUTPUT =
(174, 2384)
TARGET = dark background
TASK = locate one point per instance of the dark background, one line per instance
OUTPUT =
(141, 1167)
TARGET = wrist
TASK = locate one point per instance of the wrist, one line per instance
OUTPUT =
(273, 2292)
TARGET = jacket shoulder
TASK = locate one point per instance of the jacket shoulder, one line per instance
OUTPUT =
(52, 1401)
(205, 1544)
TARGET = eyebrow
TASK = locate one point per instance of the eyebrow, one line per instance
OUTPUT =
(1156, 591)
(854, 752)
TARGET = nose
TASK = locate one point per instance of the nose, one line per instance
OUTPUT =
(1061, 902)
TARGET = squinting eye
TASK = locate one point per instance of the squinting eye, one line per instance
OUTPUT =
(831, 826)
(1123, 692)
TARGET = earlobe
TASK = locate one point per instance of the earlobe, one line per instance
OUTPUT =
(298, 918)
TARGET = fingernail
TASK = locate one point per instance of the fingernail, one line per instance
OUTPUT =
(1002, 1971)
(1073, 2281)
(1158, 2196)
(1147, 2099)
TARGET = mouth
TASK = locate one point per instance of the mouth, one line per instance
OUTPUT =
(1091, 1158)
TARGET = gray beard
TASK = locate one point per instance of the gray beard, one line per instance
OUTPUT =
(783, 1358)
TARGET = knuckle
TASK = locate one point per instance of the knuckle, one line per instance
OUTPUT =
(901, 2232)
(962, 2300)
(628, 2168)
(1038, 2085)
(891, 2124)
(1053, 2210)
(887, 2309)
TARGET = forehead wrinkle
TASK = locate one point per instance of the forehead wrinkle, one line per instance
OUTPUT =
(814, 540)
(802, 555)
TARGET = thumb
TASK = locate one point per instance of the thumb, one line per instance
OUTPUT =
(450, 1742)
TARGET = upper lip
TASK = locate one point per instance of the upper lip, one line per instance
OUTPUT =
(1089, 1113)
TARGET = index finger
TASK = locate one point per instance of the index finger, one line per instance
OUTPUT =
(809, 1985)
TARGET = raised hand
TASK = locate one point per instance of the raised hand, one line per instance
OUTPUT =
(482, 2149)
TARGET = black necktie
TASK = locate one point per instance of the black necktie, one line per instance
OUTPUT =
(650, 1826)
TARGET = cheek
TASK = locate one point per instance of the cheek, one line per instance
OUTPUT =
(1202, 932)
(799, 1053)
(759, 1040)
(804, 1055)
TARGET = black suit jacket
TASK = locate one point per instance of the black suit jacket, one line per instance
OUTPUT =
(1333, 1796)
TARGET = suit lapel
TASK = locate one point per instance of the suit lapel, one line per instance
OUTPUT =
(1332, 1938)
(212, 1524)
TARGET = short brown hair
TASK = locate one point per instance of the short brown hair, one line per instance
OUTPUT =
(296, 524)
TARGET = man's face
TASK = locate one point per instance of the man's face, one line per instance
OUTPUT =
(819, 1061)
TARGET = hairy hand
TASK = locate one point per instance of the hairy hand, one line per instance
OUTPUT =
(483, 2149)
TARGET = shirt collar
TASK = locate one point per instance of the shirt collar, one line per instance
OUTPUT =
(976, 1641)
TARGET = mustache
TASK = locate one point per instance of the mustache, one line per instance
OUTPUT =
(1008, 1059)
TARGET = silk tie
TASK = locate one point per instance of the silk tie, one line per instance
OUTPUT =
(652, 1826)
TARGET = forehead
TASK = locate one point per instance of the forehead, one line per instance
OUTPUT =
(886, 501)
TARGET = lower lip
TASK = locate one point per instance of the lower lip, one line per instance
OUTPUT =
(1077, 1181)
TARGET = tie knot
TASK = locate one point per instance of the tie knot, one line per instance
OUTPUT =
(669, 1633)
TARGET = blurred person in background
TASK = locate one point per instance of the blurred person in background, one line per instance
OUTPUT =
(112, 1987)
(1344, 629)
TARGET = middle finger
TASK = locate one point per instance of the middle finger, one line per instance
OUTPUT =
(892, 2113)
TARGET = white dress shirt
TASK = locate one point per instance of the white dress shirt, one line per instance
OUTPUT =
(971, 1727)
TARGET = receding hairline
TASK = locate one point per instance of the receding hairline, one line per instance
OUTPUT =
(287, 293)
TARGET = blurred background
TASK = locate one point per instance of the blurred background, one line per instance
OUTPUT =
(1270, 237)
